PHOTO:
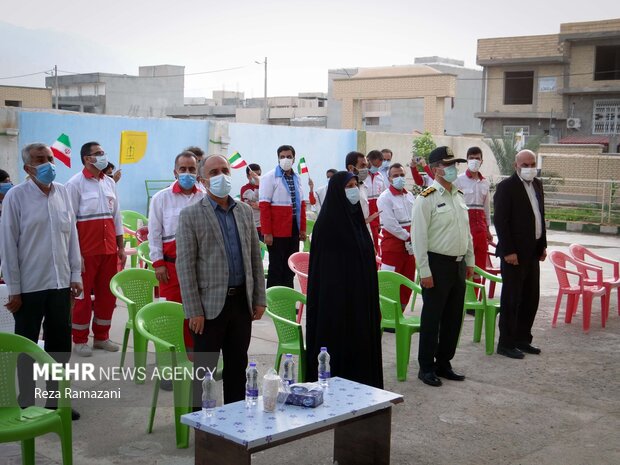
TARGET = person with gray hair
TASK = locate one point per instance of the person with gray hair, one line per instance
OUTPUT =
(41, 263)
(521, 245)
(218, 261)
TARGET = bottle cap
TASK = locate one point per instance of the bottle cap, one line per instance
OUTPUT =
(252, 364)
(289, 355)
(323, 349)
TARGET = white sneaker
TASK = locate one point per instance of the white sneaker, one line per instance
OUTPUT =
(105, 345)
(83, 350)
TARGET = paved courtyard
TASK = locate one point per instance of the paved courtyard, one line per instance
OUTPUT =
(562, 407)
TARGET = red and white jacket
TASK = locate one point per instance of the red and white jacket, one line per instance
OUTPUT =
(97, 211)
(375, 185)
(249, 194)
(276, 209)
(164, 220)
(396, 209)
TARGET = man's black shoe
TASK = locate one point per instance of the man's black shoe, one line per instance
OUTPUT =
(165, 385)
(429, 378)
(510, 352)
(471, 312)
(450, 374)
(529, 349)
(389, 330)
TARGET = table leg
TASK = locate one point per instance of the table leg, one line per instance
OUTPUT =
(365, 440)
(214, 450)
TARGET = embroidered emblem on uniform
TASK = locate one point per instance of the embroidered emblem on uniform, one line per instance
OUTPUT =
(427, 192)
(449, 152)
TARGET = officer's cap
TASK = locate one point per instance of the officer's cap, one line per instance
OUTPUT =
(444, 155)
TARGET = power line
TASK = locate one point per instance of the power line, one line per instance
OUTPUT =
(25, 75)
(168, 75)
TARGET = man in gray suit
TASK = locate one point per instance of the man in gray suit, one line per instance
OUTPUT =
(221, 276)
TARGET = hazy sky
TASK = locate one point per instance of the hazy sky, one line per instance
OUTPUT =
(302, 40)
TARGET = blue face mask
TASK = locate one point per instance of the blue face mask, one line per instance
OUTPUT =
(450, 173)
(353, 194)
(373, 169)
(386, 164)
(187, 180)
(399, 183)
(46, 173)
(5, 186)
(220, 185)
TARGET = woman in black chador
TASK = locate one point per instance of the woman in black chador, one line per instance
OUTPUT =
(343, 294)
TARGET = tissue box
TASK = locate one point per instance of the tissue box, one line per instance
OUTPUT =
(304, 395)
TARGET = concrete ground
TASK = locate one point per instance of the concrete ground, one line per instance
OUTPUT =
(561, 407)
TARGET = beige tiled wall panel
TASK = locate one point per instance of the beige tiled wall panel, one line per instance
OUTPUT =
(501, 48)
(590, 26)
(30, 97)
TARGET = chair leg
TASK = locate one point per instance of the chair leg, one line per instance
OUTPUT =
(66, 443)
(478, 317)
(301, 369)
(403, 349)
(587, 310)
(558, 302)
(140, 347)
(490, 320)
(153, 405)
(182, 393)
(28, 451)
(278, 360)
(492, 289)
(300, 312)
(604, 309)
(576, 303)
(571, 305)
(124, 348)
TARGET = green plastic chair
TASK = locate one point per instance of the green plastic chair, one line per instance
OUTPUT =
(281, 307)
(134, 286)
(25, 425)
(309, 228)
(153, 186)
(144, 254)
(392, 316)
(130, 221)
(263, 251)
(485, 309)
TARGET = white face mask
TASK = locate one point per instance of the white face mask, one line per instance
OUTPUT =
(220, 185)
(527, 174)
(286, 163)
(474, 165)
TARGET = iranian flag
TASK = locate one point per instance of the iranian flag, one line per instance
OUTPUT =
(236, 161)
(62, 150)
(301, 166)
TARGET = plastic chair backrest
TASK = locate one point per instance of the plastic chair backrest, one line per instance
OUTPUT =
(580, 252)
(11, 345)
(282, 301)
(299, 263)
(7, 321)
(389, 308)
(130, 219)
(560, 260)
(134, 286)
(162, 323)
(389, 286)
(287, 331)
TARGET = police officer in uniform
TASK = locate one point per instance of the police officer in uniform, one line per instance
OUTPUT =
(444, 254)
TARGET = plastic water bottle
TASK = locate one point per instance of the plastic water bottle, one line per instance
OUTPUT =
(288, 370)
(251, 385)
(208, 394)
(324, 371)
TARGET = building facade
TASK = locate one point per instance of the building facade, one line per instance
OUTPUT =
(566, 85)
(151, 93)
(25, 97)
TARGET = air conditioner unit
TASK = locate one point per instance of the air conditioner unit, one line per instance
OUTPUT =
(573, 123)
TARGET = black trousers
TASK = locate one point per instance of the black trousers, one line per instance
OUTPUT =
(52, 308)
(279, 252)
(518, 302)
(442, 313)
(229, 332)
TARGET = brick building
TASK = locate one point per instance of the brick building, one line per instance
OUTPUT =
(25, 97)
(564, 85)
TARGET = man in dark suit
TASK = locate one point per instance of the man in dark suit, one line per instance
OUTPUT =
(522, 243)
(221, 277)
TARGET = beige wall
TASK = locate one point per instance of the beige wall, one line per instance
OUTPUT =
(591, 26)
(582, 58)
(31, 97)
(502, 48)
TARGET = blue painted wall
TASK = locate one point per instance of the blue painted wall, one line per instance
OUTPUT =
(322, 148)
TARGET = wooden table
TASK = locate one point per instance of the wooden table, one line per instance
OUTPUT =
(360, 416)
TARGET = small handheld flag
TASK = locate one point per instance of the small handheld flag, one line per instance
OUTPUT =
(301, 166)
(62, 150)
(236, 161)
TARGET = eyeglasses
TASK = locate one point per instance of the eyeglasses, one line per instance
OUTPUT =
(100, 153)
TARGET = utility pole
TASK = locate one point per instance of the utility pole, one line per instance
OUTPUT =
(266, 103)
(56, 83)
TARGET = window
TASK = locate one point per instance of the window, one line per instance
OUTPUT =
(518, 87)
(607, 63)
(372, 120)
(509, 130)
(13, 103)
(606, 117)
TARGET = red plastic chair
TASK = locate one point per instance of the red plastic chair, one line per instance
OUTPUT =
(299, 263)
(560, 262)
(491, 268)
(580, 253)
